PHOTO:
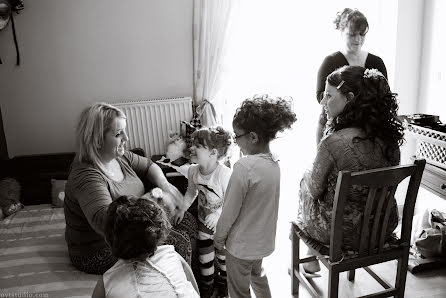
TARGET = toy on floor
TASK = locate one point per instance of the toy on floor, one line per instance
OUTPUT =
(9, 197)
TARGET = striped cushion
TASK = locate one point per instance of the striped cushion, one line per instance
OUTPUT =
(34, 256)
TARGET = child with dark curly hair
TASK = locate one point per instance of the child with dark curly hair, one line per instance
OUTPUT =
(134, 228)
(363, 133)
(247, 225)
(207, 181)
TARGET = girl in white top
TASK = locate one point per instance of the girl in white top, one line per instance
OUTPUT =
(247, 225)
(207, 181)
(134, 227)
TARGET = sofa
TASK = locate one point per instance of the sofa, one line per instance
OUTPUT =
(35, 172)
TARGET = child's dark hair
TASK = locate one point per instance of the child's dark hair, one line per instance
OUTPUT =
(213, 138)
(265, 116)
(135, 226)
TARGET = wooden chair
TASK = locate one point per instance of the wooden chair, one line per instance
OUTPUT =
(382, 185)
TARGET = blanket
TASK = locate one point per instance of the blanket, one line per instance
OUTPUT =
(34, 259)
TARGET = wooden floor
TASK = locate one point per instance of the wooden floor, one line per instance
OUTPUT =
(431, 283)
(422, 284)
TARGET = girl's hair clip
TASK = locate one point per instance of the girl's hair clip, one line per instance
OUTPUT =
(340, 84)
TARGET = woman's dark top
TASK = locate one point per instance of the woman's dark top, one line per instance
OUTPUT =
(336, 60)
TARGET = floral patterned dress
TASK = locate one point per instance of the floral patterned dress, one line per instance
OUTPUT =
(340, 150)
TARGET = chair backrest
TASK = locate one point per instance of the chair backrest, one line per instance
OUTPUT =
(382, 184)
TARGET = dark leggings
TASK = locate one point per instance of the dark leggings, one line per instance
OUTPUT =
(182, 237)
(96, 262)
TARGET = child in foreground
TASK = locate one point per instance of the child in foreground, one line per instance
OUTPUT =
(247, 225)
(207, 181)
(134, 227)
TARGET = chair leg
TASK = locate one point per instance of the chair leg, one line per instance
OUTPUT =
(295, 261)
(401, 274)
(351, 275)
(333, 283)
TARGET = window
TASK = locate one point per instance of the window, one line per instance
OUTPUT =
(277, 47)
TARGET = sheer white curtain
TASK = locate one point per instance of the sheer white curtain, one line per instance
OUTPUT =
(212, 19)
(274, 46)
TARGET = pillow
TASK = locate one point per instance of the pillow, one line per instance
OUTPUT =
(57, 192)
(190, 127)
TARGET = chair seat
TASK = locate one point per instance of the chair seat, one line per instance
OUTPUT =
(392, 242)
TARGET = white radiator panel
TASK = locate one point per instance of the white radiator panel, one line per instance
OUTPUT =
(149, 122)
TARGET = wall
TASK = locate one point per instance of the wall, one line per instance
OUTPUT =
(432, 82)
(420, 82)
(74, 53)
(433, 66)
(420, 63)
(408, 63)
(408, 54)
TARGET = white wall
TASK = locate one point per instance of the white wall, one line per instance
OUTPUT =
(433, 66)
(420, 68)
(408, 54)
(74, 53)
(420, 61)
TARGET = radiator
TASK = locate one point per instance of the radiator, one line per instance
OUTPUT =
(149, 122)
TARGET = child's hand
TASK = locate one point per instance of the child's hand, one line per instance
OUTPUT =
(211, 220)
(178, 217)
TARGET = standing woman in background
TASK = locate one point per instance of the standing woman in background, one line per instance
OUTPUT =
(353, 26)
